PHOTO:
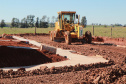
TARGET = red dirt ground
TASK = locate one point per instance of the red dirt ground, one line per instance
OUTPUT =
(12, 42)
(117, 41)
(107, 73)
(10, 56)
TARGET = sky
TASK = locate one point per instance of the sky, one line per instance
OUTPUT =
(96, 11)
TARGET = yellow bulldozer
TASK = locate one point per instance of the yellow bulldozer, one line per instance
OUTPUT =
(68, 27)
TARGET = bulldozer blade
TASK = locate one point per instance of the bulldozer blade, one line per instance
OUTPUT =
(48, 48)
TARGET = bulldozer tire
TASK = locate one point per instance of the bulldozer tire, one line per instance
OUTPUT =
(67, 37)
(52, 36)
(55, 33)
(88, 37)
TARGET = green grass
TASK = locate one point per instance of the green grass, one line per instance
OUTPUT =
(98, 31)
(106, 31)
(24, 30)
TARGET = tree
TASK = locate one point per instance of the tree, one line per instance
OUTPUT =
(44, 25)
(118, 24)
(43, 22)
(84, 21)
(52, 23)
(40, 24)
(105, 25)
(48, 19)
(12, 22)
(15, 22)
(99, 24)
(56, 19)
(30, 20)
(53, 18)
(2, 23)
(24, 23)
(37, 22)
(124, 25)
(43, 18)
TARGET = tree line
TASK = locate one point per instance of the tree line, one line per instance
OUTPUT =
(29, 22)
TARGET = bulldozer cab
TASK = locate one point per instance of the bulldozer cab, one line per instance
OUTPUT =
(66, 19)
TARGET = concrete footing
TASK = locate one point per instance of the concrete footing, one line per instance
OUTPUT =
(48, 48)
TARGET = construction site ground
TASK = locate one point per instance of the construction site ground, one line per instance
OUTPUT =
(18, 53)
(112, 72)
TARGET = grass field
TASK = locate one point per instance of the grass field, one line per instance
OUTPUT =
(106, 31)
(98, 31)
(24, 30)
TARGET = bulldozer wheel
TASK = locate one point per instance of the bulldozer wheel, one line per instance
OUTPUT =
(52, 36)
(88, 37)
(55, 34)
(67, 37)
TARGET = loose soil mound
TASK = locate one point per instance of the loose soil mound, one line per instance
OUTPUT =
(23, 57)
(88, 74)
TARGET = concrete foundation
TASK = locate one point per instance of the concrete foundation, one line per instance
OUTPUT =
(73, 58)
